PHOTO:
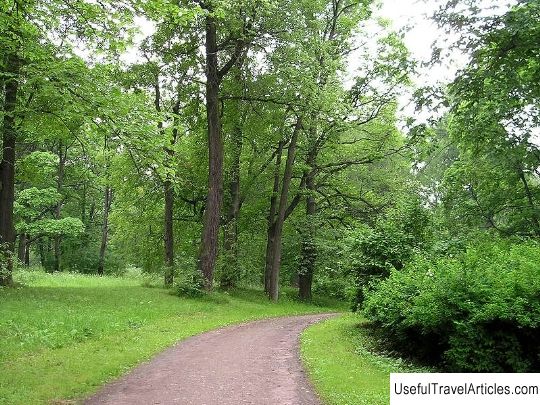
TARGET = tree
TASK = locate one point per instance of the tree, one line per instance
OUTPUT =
(493, 113)
(214, 77)
(11, 66)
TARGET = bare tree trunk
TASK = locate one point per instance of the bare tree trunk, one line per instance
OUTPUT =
(57, 253)
(92, 213)
(309, 251)
(214, 76)
(211, 217)
(21, 254)
(41, 249)
(27, 253)
(83, 206)
(58, 210)
(169, 233)
(168, 189)
(271, 220)
(7, 171)
(270, 237)
(276, 247)
(169, 200)
(231, 276)
(105, 229)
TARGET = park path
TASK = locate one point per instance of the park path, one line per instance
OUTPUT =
(255, 363)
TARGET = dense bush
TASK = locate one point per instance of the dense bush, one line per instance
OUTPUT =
(331, 283)
(189, 284)
(373, 252)
(477, 312)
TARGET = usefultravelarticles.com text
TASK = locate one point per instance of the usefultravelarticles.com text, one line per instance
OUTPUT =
(463, 389)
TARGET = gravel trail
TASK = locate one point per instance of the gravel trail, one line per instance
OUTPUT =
(255, 363)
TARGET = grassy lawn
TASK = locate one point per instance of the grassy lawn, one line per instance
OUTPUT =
(62, 336)
(342, 369)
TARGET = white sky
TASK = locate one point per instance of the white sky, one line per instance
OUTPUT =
(422, 32)
(416, 14)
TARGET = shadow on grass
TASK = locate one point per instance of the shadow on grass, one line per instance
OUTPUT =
(288, 295)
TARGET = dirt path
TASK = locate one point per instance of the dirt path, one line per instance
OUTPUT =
(256, 363)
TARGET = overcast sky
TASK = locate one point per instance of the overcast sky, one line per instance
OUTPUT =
(415, 15)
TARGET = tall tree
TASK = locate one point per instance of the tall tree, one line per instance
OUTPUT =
(107, 200)
(7, 167)
(214, 77)
(281, 212)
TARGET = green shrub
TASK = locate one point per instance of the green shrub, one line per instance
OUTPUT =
(373, 252)
(189, 284)
(331, 283)
(478, 312)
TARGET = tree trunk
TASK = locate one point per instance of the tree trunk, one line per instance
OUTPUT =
(57, 253)
(104, 230)
(168, 189)
(83, 206)
(270, 237)
(27, 253)
(309, 251)
(92, 213)
(21, 254)
(41, 249)
(7, 171)
(276, 246)
(58, 210)
(271, 220)
(169, 233)
(211, 217)
(231, 276)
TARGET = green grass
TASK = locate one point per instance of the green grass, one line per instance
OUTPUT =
(63, 336)
(342, 368)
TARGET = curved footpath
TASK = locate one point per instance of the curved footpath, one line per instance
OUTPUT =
(256, 363)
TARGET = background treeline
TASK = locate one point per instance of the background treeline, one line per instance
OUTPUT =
(241, 149)
(230, 148)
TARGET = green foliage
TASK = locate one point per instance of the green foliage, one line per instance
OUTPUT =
(476, 308)
(55, 227)
(486, 148)
(330, 282)
(476, 312)
(6, 259)
(31, 202)
(37, 168)
(189, 284)
(81, 255)
(372, 253)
